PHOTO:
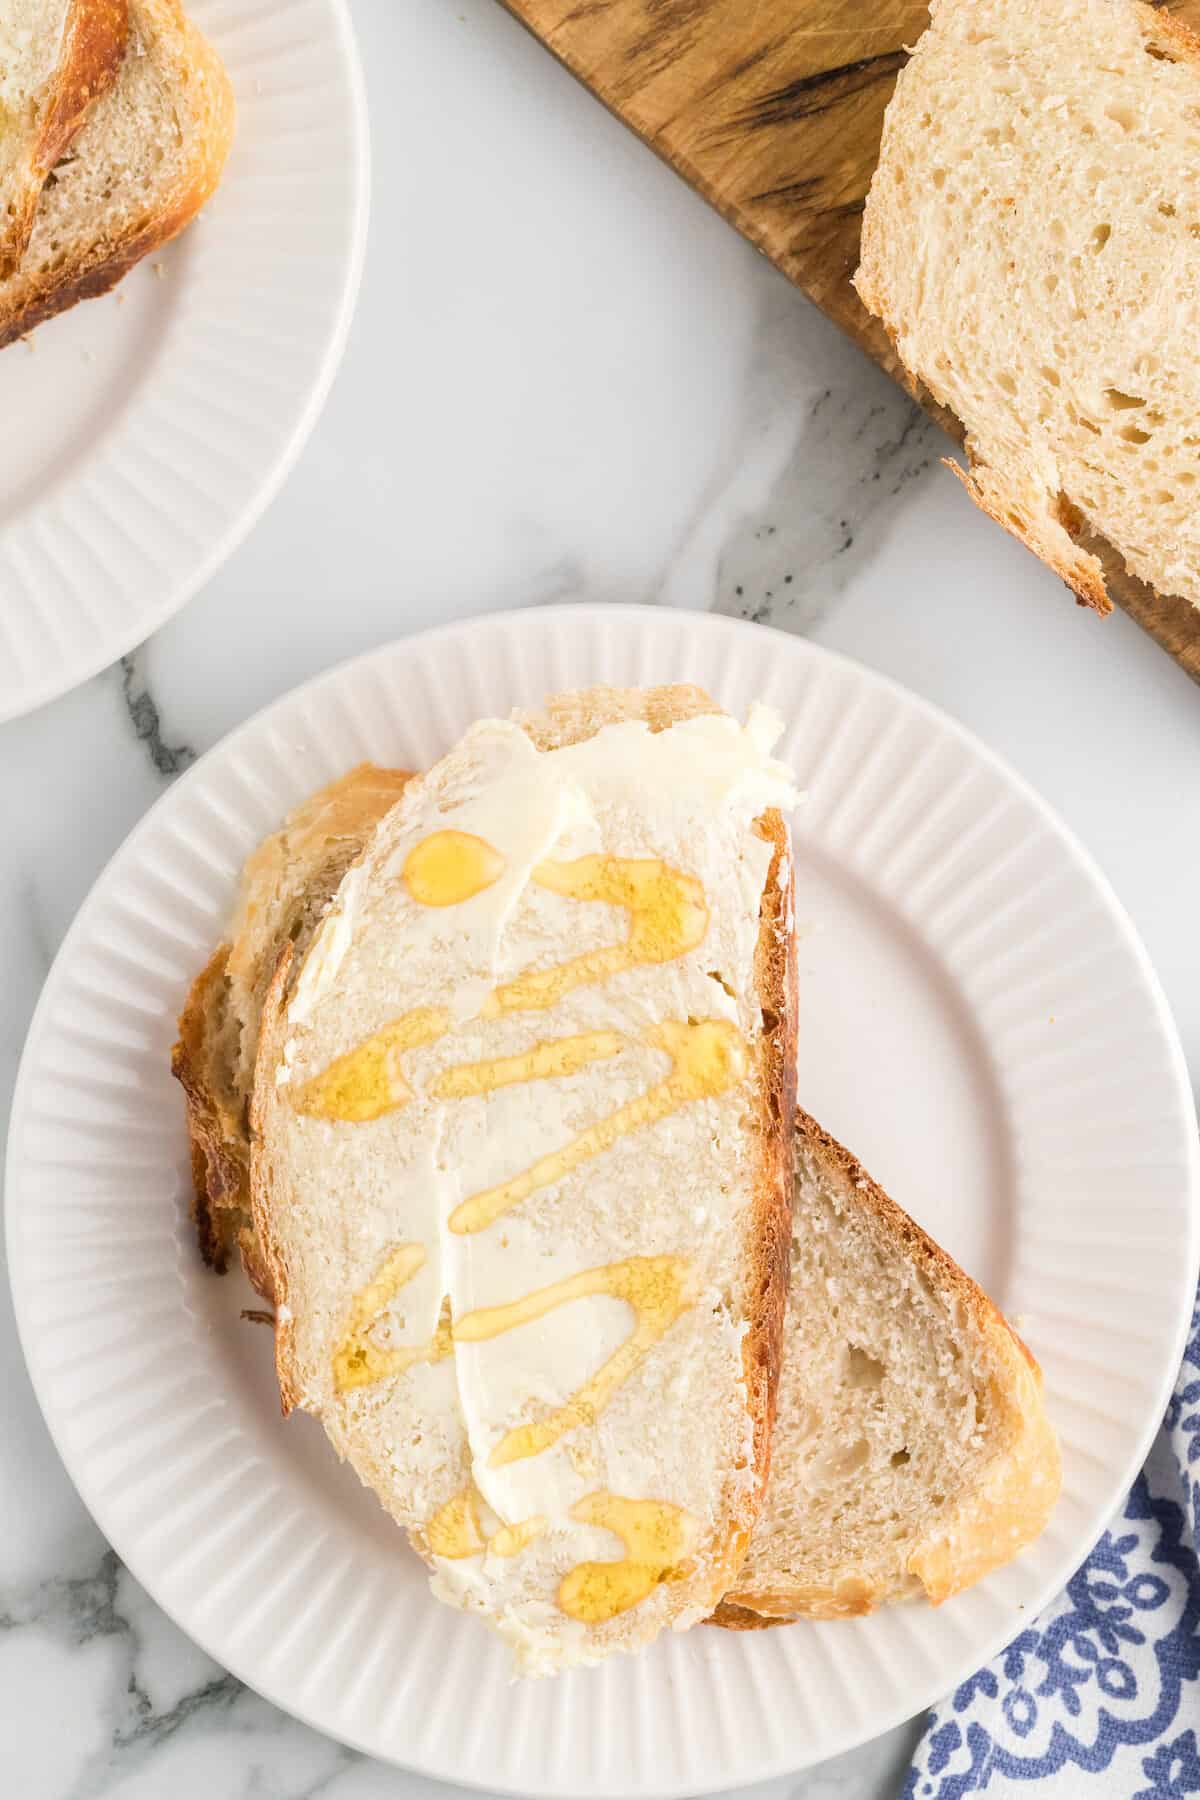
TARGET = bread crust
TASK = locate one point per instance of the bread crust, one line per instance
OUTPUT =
(33, 296)
(220, 1148)
(987, 1526)
(93, 46)
(204, 1060)
(571, 718)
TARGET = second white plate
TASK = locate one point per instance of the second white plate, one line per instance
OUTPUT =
(155, 423)
(978, 1021)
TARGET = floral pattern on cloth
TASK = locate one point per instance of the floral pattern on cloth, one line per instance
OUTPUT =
(1101, 1696)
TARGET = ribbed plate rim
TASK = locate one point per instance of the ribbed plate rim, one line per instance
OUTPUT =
(683, 631)
(144, 618)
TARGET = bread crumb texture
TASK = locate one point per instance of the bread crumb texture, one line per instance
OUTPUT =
(1032, 245)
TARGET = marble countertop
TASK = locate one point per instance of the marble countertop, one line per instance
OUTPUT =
(567, 379)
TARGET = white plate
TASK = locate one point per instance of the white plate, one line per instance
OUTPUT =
(157, 422)
(978, 1020)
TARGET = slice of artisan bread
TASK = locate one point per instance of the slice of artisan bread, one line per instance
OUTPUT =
(285, 888)
(56, 58)
(1032, 244)
(521, 1164)
(148, 157)
(911, 1451)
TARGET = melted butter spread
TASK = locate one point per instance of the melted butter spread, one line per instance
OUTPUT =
(656, 1287)
(658, 1537)
(358, 1360)
(448, 867)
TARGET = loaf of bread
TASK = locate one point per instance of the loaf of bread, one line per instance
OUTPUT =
(56, 59)
(912, 1452)
(147, 158)
(521, 1170)
(1032, 244)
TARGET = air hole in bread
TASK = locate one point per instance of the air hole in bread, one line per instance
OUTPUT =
(898, 1459)
(1050, 375)
(1166, 209)
(1121, 401)
(1004, 380)
(1100, 236)
(1121, 115)
(716, 975)
(939, 178)
(861, 1370)
(1133, 435)
(1158, 53)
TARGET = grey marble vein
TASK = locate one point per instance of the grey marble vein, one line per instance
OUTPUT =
(168, 759)
(861, 446)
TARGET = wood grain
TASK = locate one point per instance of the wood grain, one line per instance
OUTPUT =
(773, 110)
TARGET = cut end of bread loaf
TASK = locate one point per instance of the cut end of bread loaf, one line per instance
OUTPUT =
(148, 156)
(912, 1452)
(1031, 243)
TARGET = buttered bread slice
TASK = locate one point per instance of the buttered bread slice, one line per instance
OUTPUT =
(521, 1164)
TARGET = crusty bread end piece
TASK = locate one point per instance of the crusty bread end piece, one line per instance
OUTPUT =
(1031, 243)
(57, 57)
(148, 157)
(285, 887)
(912, 1452)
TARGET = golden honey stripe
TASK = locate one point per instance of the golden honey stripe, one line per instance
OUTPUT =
(367, 1082)
(708, 1056)
(668, 916)
(657, 1289)
(357, 1362)
(546, 1061)
(657, 1535)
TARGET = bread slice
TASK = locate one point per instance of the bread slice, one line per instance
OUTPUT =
(148, 157)
(1032, 244)
(520, 1164)
(285, 889)
(56, 58)
(912, 1452)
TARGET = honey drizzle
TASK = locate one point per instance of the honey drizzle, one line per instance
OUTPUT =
(367, 1082)
(668, 916)
(654, 1286)
(707, 1057)
(548, 1060)
(448, 867)
(357, 1362)
(455, 1530)
(657, 1536)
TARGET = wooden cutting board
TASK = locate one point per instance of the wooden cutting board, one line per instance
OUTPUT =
(773, 110)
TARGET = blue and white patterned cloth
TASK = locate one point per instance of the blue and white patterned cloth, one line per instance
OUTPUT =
(1101, 1697)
